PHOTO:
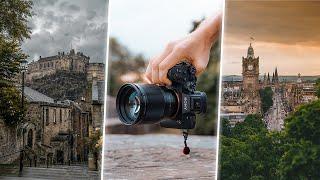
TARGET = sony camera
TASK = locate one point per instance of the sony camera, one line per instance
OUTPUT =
(173, 106)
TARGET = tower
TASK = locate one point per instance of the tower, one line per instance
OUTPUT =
(250, 74)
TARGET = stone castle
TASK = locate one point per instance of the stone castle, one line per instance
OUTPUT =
(71, 61)
(55, 132)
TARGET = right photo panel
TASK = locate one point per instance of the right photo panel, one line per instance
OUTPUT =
(270, 111)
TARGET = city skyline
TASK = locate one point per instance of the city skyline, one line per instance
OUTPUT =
(290, 45)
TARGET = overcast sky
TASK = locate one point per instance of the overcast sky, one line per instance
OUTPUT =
(145, 26)
(286, 35)
(58, 25)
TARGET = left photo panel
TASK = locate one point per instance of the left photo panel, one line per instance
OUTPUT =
(52, 79)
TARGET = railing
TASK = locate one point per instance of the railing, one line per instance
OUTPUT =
(23, 154)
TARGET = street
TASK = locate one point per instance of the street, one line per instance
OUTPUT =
(275, 116)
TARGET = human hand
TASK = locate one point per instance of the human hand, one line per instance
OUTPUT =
(194, 48)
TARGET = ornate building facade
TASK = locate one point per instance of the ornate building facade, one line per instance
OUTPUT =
(250, 84)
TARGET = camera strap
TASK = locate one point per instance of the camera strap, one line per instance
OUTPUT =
(186, 149)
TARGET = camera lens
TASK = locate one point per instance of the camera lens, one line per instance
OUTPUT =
(145, 103)
(132, 106)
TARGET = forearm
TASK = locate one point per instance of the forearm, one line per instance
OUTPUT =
(209, 29)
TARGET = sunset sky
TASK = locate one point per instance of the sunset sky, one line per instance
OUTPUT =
(286, 33)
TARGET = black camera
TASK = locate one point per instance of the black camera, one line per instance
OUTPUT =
(173, 106)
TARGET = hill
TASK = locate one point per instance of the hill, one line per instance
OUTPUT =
(62, 85)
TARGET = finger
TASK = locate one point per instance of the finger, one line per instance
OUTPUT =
(147, 77)
(158, 60)
(171, 60)
(201, 64)
(155, 72)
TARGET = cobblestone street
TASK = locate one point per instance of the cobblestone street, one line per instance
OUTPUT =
(159, 156)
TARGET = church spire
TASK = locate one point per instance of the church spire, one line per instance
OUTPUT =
(276, 75)
(250, 53)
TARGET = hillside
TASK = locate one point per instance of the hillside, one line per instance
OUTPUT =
(62, 85)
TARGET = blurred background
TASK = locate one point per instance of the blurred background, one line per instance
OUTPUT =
(140, 30)
(138, 33)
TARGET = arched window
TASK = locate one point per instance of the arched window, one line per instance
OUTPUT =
(30, 138)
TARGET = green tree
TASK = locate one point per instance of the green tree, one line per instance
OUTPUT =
(266, 98)
(13, 29)
(121, 61)
(14, 17)
(318, 87)
(10, 106)
(250, 151)
(301, 159)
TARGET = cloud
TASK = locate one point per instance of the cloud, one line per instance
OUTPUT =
(286, 22)
(286, 36)
(59, 25)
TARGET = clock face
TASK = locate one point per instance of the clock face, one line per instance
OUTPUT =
(250, 67)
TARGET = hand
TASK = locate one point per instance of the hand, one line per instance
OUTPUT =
(194, 48)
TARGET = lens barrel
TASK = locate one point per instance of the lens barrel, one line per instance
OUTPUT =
(145, 103)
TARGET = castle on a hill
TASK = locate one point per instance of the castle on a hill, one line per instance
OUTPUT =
(71, 61)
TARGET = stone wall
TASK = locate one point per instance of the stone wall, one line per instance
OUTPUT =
(96, 71)
(8, 144)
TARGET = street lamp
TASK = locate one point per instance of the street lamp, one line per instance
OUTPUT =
(23, 68)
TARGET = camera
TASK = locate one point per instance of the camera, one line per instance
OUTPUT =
(174, 106)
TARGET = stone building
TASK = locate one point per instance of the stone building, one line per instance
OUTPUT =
(70, 61)
(250, 83)
(52, 132)
(96, 71)
(300, 93)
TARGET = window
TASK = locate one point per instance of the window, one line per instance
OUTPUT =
(46, 116)
(60, 115)
(54, 116)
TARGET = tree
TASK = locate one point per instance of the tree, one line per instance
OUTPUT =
(266, 95)
(318, 87)
(13, 30)
(302, 149)
(250, 151)
(121, 61)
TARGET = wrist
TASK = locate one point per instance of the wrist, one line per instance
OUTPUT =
(209, 29)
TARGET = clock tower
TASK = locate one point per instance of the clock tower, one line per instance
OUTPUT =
(251, 86)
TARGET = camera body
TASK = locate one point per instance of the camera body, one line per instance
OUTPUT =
(183, 78)
(173, 106)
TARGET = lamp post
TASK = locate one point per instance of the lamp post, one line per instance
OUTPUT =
(23, 68)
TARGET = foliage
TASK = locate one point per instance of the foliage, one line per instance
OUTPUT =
(266, 99)
(249, 151)
(318, 87)
(10, 106)
(62, 85)
(13, 30)
(291, 154)
(121, 61)
(94, 141)
(302, 129)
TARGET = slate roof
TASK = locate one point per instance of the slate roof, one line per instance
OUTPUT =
(35, 96)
